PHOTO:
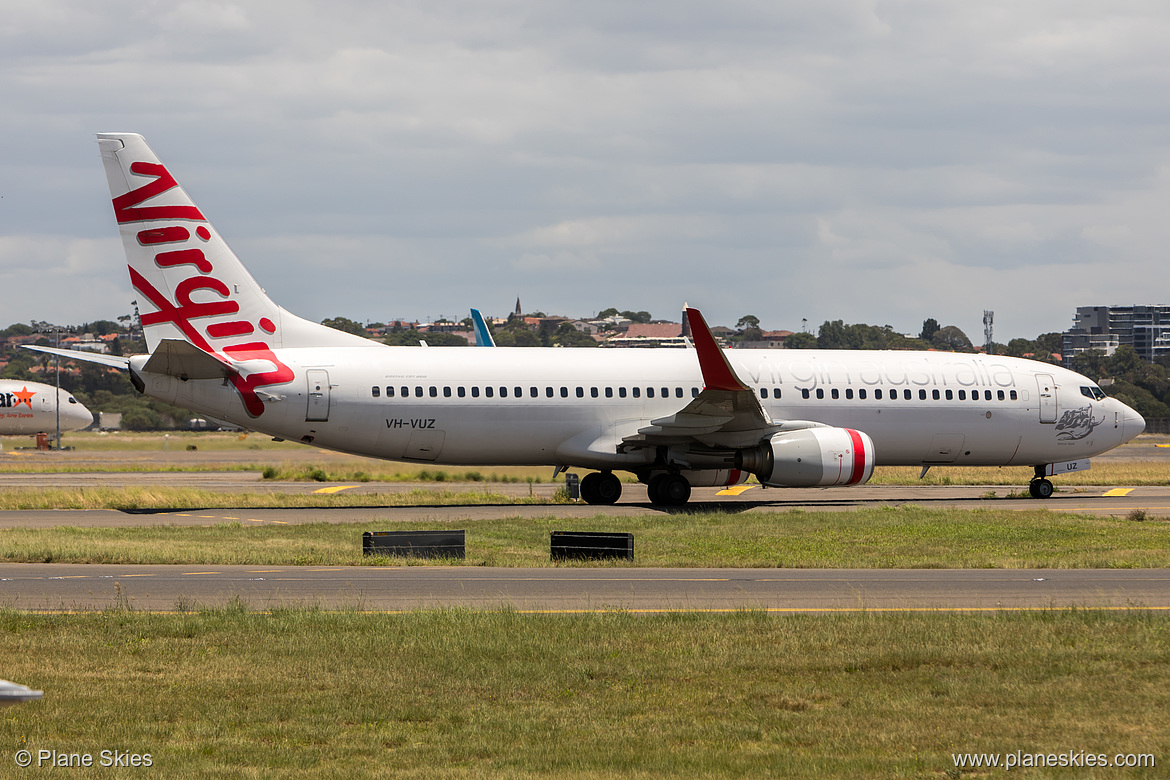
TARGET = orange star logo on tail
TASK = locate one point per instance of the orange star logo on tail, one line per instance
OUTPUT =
(25, 397)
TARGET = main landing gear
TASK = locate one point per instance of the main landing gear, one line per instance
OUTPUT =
(1040, 487)
(601, 488)
(668, 489)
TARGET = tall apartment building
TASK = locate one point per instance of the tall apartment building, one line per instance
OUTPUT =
(1105, 328)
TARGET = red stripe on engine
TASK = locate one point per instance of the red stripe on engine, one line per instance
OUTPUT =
(858, 457)
(734, 477)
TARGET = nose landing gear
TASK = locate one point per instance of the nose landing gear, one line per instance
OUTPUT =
(1040, 487)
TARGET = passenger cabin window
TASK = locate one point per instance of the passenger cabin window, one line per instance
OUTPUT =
(878, 394)
(461, 392)
(389, 391)
(637, 391)
(446, 392)
(1013, 395)
(475, 392)
(489, 392)
(376, 391)
(418, 391)
(621, 392)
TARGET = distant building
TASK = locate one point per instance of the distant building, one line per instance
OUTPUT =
(1105, 328)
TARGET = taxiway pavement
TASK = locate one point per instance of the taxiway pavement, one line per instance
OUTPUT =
(172, 588)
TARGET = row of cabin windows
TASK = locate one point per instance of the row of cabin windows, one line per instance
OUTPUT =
(533, 392)
(908, 394)
(665, 392)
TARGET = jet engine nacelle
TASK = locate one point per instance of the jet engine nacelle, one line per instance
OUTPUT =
(814, 457)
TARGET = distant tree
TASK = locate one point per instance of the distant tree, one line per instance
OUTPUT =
(568, 336)
(1052, 343)
(605, 313)
(17, 329)
(951, 338)
(1124, 362)
(929, 328)
(1020, 347)
(1091, 363)
(801, 341)
(748, 321)
(101, 327)
(409, 337)
(637, 316)
(346, 325)
(513, 337)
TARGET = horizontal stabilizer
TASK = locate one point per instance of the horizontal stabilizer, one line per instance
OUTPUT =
(113, 361)
(184, 360)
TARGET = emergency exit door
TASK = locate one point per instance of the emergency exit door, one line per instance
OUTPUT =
(318, 410)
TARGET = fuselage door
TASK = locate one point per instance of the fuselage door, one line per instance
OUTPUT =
(1047, 387)
(318, 410)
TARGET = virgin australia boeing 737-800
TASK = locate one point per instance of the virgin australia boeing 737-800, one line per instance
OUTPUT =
(675, 418)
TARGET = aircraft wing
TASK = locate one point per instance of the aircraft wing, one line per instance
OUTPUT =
(726, 413)
(113, 361)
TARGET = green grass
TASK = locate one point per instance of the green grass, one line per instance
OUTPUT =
(174, 498)
(457, 693)
(904, 537)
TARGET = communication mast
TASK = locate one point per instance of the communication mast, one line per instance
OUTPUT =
(988, 318)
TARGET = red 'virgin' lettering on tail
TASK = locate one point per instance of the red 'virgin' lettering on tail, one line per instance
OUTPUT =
(225, 330)
(126, 208)
(246, 386)
(182, 256)
(167, 235)
(181, 317)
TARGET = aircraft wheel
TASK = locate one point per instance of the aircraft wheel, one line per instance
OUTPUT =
(675, 490)
(608, 488)
(588, 488)
(654, 489)
(1040, 488)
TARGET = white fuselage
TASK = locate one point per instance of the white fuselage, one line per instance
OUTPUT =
(572, 407)
(32, 407)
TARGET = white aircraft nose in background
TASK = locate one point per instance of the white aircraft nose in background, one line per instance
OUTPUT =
(31, 407)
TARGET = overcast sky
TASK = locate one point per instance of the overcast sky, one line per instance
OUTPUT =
(878, 162)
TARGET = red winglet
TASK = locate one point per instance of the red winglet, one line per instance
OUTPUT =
(717, 372)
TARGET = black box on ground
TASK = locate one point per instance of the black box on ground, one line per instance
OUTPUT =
(417, 544)
(589, 545)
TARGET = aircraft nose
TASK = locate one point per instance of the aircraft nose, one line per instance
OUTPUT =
(1132, 423)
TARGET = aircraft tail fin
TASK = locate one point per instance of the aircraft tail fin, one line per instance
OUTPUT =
(190, 284)
(483, 336)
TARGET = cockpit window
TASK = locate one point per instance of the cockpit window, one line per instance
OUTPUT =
(1093, 392)
(72, 400)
